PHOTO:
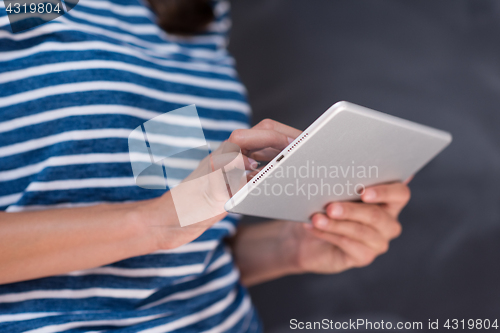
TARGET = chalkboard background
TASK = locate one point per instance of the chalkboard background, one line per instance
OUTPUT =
(434, 62)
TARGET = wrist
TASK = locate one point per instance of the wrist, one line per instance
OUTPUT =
(145, 218)
(159, 222)
(289, 246)
(264, 252)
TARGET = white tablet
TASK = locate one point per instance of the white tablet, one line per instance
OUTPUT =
(345, 150)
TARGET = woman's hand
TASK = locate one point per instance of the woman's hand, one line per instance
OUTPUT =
(350, 234)
(202, 196)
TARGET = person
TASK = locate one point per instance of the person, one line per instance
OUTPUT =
(82, 248)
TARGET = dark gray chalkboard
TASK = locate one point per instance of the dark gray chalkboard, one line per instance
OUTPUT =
(434, 62)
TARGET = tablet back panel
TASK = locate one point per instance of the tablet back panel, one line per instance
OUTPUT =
(348, 148)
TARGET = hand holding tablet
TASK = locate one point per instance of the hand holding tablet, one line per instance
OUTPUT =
(346, 150)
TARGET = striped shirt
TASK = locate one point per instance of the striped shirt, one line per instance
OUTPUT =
(71, 91)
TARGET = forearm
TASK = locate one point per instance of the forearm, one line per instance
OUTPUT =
(264, 252)
(45, 243)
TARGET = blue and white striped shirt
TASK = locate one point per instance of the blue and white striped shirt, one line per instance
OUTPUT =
(71, 91)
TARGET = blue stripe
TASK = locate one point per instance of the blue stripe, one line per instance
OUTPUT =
(90, 75)
(88, 195)
(111, 98)
(57, 56)
(184, 53)
(91, 122)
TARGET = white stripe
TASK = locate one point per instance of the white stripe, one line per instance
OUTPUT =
(103, 46)
(198, 81)
(213, 285)
(139, 29)
(234, 318)
(142, 272)
(29, 208)
(66, 160)
(177, 141)
(76, 293)
(10, 199)
(155, 181)
(68, 25)
(26, 316)
(223, 260)
(67, 184)
(76, 324)
(63, 161)
(226, 125)
(80, 183)
(79, 87)
(195, 317)
(211, 124)
(191, 247)
(180, 142)
(25, 146)
(64, 7)
(221, 8)
(125, 10)
(4, 21)
(225, 225)
(221, 26)
(174, 163)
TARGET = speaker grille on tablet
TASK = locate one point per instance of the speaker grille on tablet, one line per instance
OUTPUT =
(262, 173)
(298, 141)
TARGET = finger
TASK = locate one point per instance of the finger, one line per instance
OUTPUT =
(231, 157)
(253, 139)
(387, 193)
(368, 214)
(354, 230)
(395, 196)
(253, 173)
(230, 161)
(408, 180)
(250, 163)
(356, 253)
(265, 154)
(269, 124)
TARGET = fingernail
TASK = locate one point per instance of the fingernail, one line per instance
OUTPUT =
(253, 163)
(370, 195)
(322, 221)
(337, 210)
(290, 140)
